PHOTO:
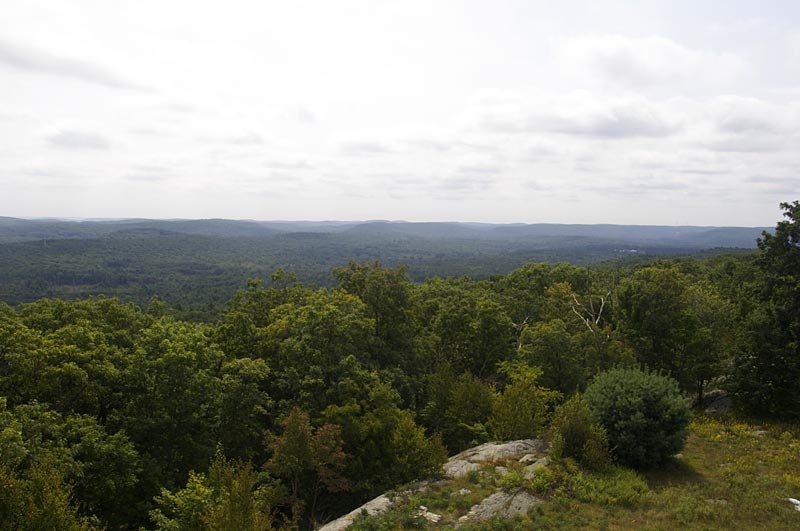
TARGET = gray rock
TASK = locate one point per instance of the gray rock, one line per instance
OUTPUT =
(376, 506)
(427, 515)
(531, 470)
(508, 504)
(492, 451)
(456, 467)
(459, 468)
(716, 402)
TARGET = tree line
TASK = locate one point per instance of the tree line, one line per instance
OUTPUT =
(300, 403)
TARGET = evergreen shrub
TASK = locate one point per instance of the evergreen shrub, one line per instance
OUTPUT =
(644, 414)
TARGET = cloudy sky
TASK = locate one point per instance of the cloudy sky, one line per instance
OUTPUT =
(653, 112)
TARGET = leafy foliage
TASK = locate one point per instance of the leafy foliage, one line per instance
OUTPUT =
(767, 372)
(309, 459)
(521, 411)
(227, 499)
(643, 413)
(574, 434)
(676, 324)
(40, 502)
(323, 398)
(458, 408)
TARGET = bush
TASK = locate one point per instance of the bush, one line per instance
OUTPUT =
(521, 411)
(574, 434)
(643, 412)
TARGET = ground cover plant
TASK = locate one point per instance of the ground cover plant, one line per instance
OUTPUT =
(732, 472)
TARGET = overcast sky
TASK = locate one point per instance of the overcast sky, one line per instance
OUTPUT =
(648, 112)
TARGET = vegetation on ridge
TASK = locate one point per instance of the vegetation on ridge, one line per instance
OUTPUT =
(298, 403)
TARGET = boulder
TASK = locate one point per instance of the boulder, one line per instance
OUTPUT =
(507, 504)
(465, 462)
(374, 507)
(459, 468)
(530, 470)
(429, 516)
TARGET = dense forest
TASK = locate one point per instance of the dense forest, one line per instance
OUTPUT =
(136, 259)
(294, 404)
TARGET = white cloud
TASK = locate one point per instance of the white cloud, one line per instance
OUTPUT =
(71, 139)
(746, 144)
(578, 113)
(631, 116)
(792, 45)
(289, 165)
(631, 61)
(750, 125)
(149, 173)
(736, 114)
(29, 59)
(522, 110)
(365, 148)
(248, 139)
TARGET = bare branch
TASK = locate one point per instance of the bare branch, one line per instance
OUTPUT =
(581, 317)
(602, 305)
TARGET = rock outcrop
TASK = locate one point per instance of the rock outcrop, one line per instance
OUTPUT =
(374, 507)
(462, 464)
(509, 504)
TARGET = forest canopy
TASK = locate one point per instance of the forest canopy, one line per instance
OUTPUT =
(299, 403)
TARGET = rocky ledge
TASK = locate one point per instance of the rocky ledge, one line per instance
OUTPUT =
(528, 452)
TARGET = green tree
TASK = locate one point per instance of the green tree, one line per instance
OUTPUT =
(245, 407)
(101, 469)
(644, 414)
(767, 373)
(521, 411)
(414, 455)
(379, 436)
(387, 294)
(458, 408)
(310, 460)
(676, 324)
(40, 502)
(556, 350)
(241, 331)
(525, 292)
(313, 345)
(575, 434)
(226, 499)
(172, 392)
(463, 326)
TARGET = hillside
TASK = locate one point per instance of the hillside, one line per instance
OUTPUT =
(730, 471)
(136, 259)
(297, 404)
(17, 229)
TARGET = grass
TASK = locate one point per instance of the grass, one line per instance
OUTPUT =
(732, 474)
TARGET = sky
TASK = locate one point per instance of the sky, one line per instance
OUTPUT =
(637, 112)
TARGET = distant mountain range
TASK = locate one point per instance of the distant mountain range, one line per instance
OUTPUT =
(19, 230)
(197, 265)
